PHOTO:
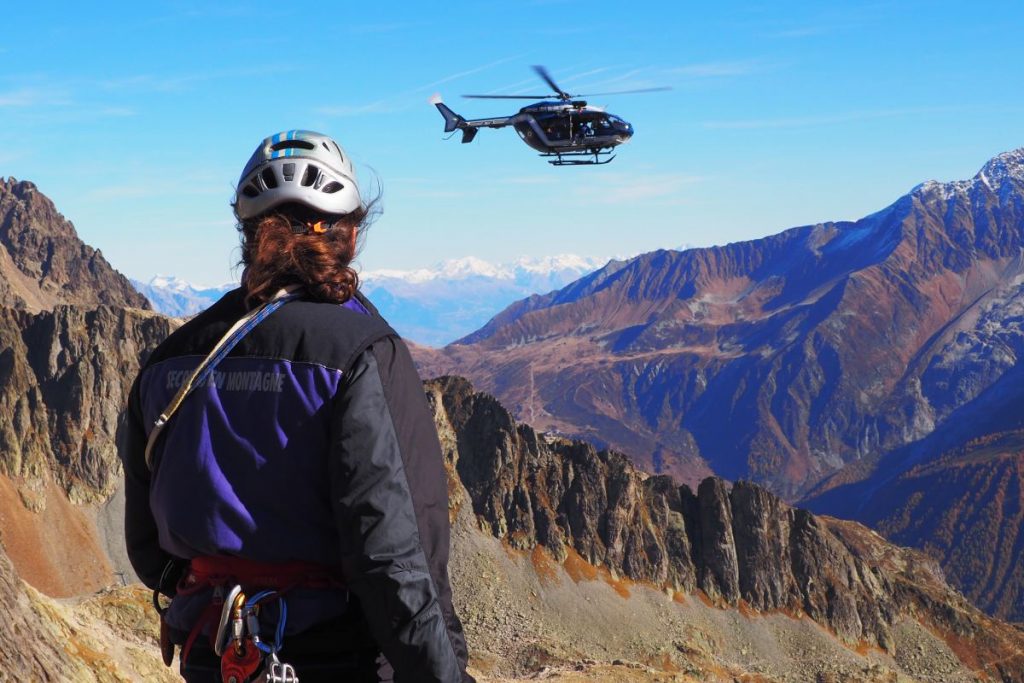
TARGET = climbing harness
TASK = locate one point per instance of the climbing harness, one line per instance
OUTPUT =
(233, 617)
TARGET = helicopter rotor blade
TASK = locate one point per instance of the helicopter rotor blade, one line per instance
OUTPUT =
(624, 92)
(543, 73)
(507, 97)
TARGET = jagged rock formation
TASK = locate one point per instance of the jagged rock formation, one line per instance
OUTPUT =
(64, 377)
(43, 262)
(740, 546)
(813, 359)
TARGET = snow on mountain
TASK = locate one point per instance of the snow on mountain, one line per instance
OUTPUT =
(1000, 174)
(176, 297)
(430, 306)
(437, 305)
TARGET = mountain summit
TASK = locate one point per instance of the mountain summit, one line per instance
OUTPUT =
(44, 263)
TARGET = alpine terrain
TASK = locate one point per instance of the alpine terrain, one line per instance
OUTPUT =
(569, 562)
(876, 359)
(178, 298)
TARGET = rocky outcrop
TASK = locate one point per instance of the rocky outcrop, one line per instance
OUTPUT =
(107, 637)
(35, 651)
(739, 546)
(64, 378)
(43, 263)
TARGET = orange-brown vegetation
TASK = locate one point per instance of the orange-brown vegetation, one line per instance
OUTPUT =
(544, 565)
(577, 568)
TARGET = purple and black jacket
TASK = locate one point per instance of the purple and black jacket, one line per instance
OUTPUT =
(312, 442)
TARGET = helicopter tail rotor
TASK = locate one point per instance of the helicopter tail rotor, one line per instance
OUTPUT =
(451, 119)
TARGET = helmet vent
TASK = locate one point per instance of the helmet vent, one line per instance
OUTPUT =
(292, 144)
(269, 179)
(309, 177)
(250, 191)
(332, 187)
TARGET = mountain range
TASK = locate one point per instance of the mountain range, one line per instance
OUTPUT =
(569, 563)
(431, 306)
(871, 368)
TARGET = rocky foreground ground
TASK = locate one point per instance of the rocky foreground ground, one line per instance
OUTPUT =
(569, 564)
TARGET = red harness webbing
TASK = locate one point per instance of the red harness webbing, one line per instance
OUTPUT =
(281, 576)
(212, 571)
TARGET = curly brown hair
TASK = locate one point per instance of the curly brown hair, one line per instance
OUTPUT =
(275, 256)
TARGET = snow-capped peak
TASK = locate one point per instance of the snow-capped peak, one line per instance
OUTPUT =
(472, 267)
(171, 283)
(1004, 168)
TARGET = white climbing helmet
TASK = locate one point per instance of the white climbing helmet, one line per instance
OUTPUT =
(297, 166)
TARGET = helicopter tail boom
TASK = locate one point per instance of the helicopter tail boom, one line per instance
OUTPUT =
(453, 121)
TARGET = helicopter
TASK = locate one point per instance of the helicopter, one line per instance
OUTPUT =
(567, 131)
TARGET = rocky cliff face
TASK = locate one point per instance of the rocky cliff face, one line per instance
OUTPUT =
(739, 546)
(43, 262)
(64, 377)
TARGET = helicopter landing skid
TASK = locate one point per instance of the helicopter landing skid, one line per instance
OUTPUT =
(592, 158)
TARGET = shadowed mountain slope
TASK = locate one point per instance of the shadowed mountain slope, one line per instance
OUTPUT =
(780, 359)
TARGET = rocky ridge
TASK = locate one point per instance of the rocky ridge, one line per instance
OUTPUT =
(592, 511)
(43, 262)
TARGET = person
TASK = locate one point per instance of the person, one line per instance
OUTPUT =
(303, 470)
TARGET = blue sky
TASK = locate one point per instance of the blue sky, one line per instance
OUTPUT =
(136, 118)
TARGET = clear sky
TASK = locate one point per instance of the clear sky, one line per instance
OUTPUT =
(136, 118)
